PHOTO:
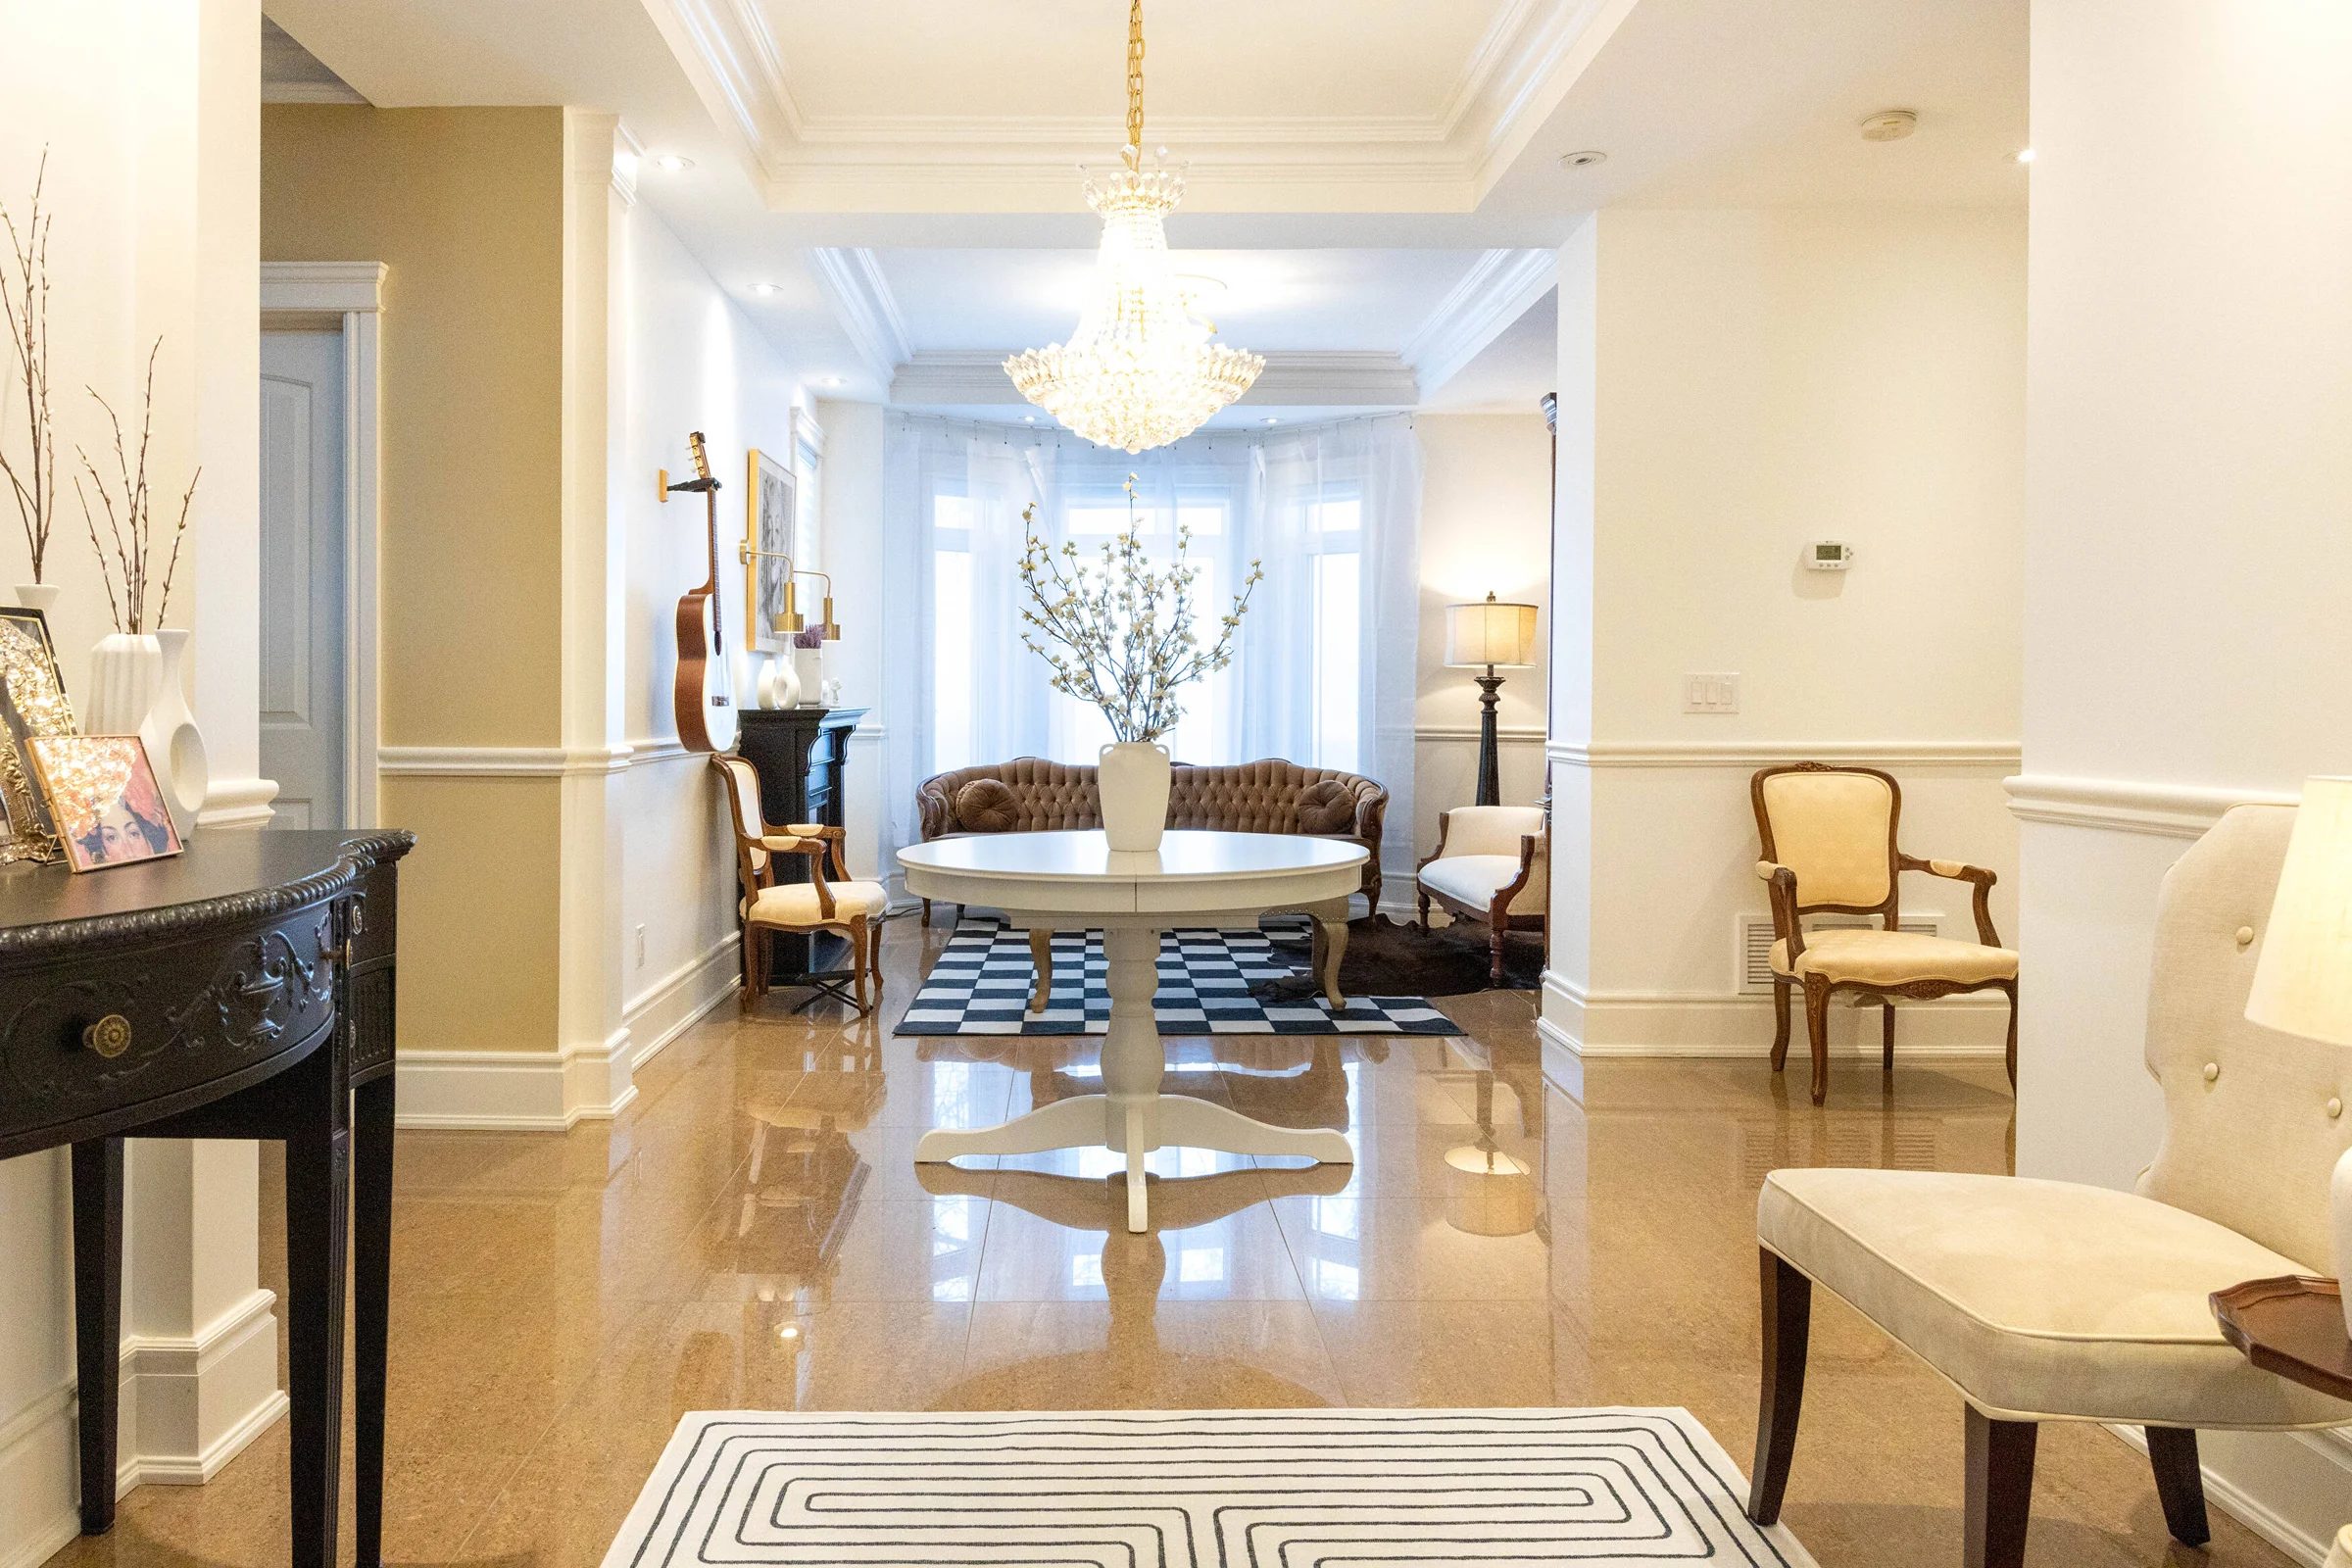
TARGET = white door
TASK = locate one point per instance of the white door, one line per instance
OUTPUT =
(302, 576)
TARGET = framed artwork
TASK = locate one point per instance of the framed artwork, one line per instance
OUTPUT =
(104, 800)
(33, 703)
(771, 502)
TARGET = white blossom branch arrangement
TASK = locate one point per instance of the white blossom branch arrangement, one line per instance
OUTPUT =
(130, 517)
(1117, 634)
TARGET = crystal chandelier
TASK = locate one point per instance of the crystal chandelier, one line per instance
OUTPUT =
(1140, 371)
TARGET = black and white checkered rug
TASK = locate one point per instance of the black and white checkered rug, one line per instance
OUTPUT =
(1140, 1489)
(980, 986)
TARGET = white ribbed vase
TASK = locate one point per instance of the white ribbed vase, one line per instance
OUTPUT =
(175, 746)
(1133, 778)
(127, 671)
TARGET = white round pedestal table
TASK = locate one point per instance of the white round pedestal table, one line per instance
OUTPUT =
(1074, 881)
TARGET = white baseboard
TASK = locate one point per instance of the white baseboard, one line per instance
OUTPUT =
(192, 1404)
(1700, 1024)
(673, 1004)
(38, 1462)
(2305, 1478)
(515, 1091)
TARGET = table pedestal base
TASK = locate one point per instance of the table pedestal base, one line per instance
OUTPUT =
(1132, 1116)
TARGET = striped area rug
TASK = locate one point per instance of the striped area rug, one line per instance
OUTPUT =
(1256, 1489)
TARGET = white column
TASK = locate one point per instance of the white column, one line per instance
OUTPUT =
(1567, 980)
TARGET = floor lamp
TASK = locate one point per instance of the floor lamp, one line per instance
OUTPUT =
(1495, 636)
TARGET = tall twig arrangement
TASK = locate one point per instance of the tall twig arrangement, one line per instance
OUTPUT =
(24, 304)
(1122, 634)
(130, 517)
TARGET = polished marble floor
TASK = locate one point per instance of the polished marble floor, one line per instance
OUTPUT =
(752, 1233)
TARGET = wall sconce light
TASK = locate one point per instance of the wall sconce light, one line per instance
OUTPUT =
(790, 621)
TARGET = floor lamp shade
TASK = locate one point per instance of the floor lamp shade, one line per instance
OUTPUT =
(2303, 982)
(1488, 636)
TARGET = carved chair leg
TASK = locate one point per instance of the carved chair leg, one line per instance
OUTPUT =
(1499, 926)
(875, 936)
(1780, 1023)
(2011, 988)
(860, 951)
(2000, 1491)
(1787, 1297)
(1816, 1032)
(748, 998)
(2180, 1483)
(1423, 900)
(1887, 1030)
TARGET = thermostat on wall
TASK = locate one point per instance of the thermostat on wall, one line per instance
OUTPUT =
(1828, 554)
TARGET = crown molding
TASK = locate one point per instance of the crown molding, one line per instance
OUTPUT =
(1516, 74)
(2003, 755)
(1494, 293)
(865, 306)
(1343, 378)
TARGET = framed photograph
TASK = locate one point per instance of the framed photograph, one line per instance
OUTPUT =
(32, 702)
(102, 798)
(771, 502)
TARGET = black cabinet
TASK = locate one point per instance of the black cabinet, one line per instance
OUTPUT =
(802, 756)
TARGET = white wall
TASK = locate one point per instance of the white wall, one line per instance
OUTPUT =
(851, 500)
(687, 358)
(1485, 527)
(2189, 508)
(148, 110)
(1758, 380)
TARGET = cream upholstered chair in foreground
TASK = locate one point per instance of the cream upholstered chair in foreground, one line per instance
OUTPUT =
(2043, 1301)
(822, 903)
(1493, 864)
(1830, 845)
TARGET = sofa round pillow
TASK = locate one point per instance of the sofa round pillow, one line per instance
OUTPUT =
(1326, 807)
(987, 805)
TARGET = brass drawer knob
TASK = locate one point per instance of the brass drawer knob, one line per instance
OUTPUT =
(110, 1035)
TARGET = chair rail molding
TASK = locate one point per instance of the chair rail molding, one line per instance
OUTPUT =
(1467, 734)
(505, 762)
(2004, 755)
(2130, 806)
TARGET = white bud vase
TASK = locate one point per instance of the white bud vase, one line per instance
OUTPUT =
(40, 596)
(126, 669)
(779, 684)
(1133, 779)
(175, 747)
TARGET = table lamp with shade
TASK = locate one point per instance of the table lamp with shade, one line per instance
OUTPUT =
(1496, 636)
(2303, 980)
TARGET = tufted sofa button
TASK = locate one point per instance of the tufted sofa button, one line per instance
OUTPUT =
(2212, 1070)
(2245, 936)
(2335, 1107)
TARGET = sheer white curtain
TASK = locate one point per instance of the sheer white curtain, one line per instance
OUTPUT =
(1323, 672)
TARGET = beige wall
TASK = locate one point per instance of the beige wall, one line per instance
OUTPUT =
(466, 208)
(1485, 527)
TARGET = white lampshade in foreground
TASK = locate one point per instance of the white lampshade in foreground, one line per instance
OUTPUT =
(1490, 633)
(2303, 983)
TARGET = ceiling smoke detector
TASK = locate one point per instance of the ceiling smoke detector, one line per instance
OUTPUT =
(1584, 160)
(1890, 125)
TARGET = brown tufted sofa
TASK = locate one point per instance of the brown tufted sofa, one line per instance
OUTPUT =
(1030, 795)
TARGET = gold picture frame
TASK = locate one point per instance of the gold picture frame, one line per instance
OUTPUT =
(33, 703)
(103, 797)
(771, 494)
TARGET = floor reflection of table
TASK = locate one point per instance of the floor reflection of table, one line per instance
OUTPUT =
(1073, 881)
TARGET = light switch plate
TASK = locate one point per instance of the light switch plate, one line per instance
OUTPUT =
(1711, 694)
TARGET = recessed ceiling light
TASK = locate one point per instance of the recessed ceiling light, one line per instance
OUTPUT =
(1584, 160)
(2025, 155)
(829, 381)
(1890, 125)
(673, 164)
(763, 288)
(1028, 419)
(1273, 421)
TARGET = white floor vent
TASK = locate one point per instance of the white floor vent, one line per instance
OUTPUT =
(1751, 957)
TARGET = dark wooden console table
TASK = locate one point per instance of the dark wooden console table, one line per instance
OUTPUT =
(802, 756)
(240, 990)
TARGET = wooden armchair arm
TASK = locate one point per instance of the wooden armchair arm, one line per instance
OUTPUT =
(1782, 883)
(1976, 875)
(1445, 821)
(1532, 848)
(819, 846)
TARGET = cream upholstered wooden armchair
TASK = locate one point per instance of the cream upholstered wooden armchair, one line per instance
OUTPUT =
(1493, 864)
(1829, 845)
(2043, 1300)
(823, 903)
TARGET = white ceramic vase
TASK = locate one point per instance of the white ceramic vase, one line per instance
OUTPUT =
(1134, 777)
(175, 746)
(780, 684)
(127, 671)
(40, 596)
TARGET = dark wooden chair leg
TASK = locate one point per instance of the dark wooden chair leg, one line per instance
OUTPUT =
(1787, 1297)
(2180, 1483)
(98, 1320)
(2011, 988)
(373, 1108)
(1423, 900)
(1499, 926)
(1886, 1029)
(1817, 1031)
(926, 912)
(2000, 1491)
(1780, 1023)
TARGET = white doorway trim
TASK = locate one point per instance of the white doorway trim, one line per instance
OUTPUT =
(348, 295)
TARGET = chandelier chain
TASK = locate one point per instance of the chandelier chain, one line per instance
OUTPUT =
(1135, 81)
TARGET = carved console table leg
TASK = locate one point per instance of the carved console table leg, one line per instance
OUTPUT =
(98, 1320)
(318, 1201)
(373, 1106)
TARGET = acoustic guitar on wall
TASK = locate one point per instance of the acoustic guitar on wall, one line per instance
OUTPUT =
(703, 694)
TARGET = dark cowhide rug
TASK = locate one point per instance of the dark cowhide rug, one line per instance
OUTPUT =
(1386, 959)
